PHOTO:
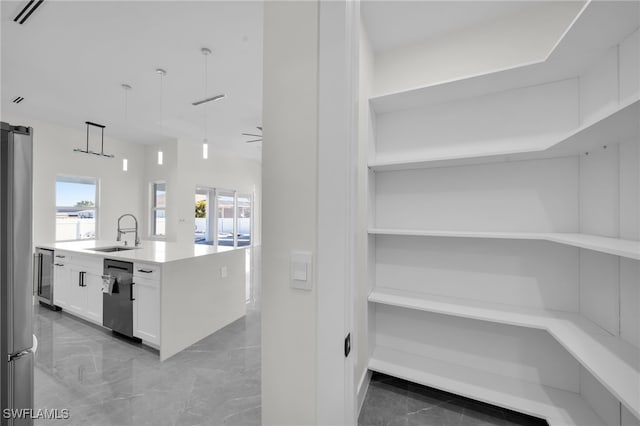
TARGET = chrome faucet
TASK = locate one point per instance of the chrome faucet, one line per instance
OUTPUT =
(127, 230)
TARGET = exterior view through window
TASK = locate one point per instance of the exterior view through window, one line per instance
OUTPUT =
(222, 217)
(244, 220)
(158, 208)
(226, 219)
(76, 208)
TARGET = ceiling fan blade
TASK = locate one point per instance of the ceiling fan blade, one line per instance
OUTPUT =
(251, 134)
(259, 128)
(255, 140)
(212, 98)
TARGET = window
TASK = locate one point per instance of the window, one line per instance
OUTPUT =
(158, 208)
(243, 219)
(76, 208)
(222, 217)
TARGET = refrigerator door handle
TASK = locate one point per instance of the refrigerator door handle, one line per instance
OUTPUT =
(36, 278)
(131, 294)
(40, 257)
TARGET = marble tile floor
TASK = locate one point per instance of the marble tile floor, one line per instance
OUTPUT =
(394, 402)
(104, 380)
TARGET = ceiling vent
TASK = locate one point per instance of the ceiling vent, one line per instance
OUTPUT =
(18, 99)
(26, 11)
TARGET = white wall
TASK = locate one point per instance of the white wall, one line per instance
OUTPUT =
(527, 196)
(290, 117)
(534, 274)
(480, 124)
(525, 354)
(610, 198)
(505, 42)
(365, 132)
(120, 192)
(166, 172)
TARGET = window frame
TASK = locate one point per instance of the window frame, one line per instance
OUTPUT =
(96, 208)
(153, 209)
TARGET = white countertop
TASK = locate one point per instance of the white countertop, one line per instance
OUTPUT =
(147, 251)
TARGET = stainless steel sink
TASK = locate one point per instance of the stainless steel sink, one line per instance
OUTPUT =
(111, 249)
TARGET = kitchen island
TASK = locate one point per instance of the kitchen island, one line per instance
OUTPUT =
(181, 293)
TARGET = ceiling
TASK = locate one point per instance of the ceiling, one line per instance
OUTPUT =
(70, 59)
(425, 19)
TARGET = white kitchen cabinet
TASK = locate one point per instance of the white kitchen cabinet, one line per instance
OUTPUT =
(146, 310)
(61, 283)
(78, 285)
(93, 290)
(77, 294)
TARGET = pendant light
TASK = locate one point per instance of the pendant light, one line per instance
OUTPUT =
(161, 72)
(205, 142)
(86, 150)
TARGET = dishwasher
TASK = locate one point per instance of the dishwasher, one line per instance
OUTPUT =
(117, 301)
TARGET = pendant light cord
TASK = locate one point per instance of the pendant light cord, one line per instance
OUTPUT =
(161, 90)
(206, 60)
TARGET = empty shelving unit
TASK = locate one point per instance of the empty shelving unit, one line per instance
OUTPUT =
(504, 227)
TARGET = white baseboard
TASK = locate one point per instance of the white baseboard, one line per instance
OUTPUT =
(363, 386)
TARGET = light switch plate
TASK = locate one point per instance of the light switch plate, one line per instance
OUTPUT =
(301, 274)
(223, 272)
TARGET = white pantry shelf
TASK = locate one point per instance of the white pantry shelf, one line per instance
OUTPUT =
(559, 408)
(619, 124)
(614, 246)
(578, 47)
(613, 362)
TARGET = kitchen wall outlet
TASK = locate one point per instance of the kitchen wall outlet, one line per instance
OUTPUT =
(223, 272)
(300, 270)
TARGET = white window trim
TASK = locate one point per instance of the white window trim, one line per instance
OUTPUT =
(153, 209)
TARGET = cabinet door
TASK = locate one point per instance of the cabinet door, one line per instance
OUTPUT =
(77, 294)
(93, 290)
(61, 283)
(146, 310)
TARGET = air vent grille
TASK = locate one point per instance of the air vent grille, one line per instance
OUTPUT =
(26, 11)
(18, 99)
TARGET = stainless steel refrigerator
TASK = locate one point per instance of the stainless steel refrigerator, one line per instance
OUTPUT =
(16, 285)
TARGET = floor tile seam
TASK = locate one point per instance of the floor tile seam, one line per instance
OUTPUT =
(427, 408)
(240, 412)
